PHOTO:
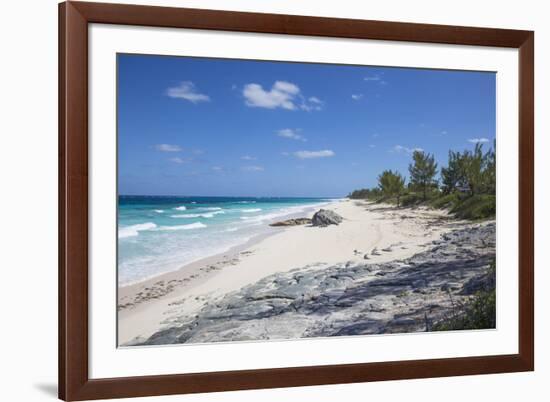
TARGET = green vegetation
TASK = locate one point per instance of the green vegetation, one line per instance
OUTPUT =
(423, 171)
(392, 184)
(411, 199)
(472, 171)
(480, 206)
(448, 201)
(478, 313)
(452, 175)
(365, 193)
(467, 188)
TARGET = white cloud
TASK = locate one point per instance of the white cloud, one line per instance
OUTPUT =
(287, 87)
(356, 96)
(401, 149)
(168, 148)
(186, 90)
(312, 103)
(444, 132)
(478, 140)
(314, 154)
(179, 160)
(283, 94)
(375, 78)
(372, 146)
(291, 134)
(375, 135)
(253, 168)
(248, 158)
(217, 168)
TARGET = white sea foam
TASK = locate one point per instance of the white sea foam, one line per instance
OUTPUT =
(205, 215)
(196, 225)
(182, 208)
(189, 216)
(133, 230)
(251, 210)
(170, 247)
(282, 212)
(261, 218)
(159, 211)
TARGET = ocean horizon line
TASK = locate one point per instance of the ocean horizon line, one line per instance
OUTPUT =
(228, 196)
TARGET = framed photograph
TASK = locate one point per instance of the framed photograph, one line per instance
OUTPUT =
(259, 200)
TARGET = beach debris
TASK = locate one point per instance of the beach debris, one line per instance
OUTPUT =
(387, 249)
(375, 251)
(366, 257)
(292, 222)
(325, 217)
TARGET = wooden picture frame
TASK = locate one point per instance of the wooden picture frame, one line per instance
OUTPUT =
(74, 381)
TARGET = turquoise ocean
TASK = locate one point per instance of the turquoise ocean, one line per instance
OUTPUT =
(159, 234)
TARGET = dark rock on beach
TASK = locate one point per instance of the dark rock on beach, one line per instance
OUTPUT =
(325, 217)
(292, 222)
(354, 298)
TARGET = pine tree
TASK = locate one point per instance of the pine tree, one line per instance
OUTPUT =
(489, 170)
(452, 175)
(423, 171)
(392, 184)
(473, 169)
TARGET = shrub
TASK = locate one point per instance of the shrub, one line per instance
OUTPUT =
(411, 199)
(445, 201)
(478, 313)
(481, 206)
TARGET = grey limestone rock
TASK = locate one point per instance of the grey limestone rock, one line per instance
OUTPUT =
(347, 299)
(325, 217)
(292, 222)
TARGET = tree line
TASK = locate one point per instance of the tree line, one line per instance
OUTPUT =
(470, 172)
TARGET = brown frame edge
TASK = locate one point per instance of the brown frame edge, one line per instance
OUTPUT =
(74, 382)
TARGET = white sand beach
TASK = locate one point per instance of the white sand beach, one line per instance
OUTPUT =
(149, 306)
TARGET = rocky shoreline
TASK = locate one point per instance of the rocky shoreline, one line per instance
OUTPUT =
(350, 298)
(321, 218)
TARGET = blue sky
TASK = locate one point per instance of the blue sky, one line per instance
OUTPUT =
(196, 126)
